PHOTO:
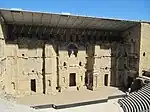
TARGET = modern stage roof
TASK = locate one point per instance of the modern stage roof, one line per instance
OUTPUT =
(16, 16)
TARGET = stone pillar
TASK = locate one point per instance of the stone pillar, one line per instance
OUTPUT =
(144, 63)
(50, 69)
(102, 64)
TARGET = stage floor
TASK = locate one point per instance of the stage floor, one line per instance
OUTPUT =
(71, 97)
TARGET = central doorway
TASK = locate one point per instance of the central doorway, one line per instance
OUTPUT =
(72, 79)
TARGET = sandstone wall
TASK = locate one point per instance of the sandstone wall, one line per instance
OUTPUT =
(144, 48)
(71, 64)
(29, 59)
(102, 64)
(2, 57)
(48, 63)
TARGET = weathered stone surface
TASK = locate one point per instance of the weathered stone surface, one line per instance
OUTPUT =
(44, 65)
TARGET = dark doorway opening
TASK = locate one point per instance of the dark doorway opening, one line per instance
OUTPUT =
(106, 80)
(72, 79)
(129, 81)
(33, 85)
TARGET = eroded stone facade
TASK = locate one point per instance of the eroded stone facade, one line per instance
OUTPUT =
(36, 66)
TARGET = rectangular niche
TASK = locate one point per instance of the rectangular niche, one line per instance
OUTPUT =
(33, 85)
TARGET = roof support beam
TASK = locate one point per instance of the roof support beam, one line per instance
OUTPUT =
(37, 29)
(74, 22)
(29, 30)
(22, 29)
(58, 29)
(14, 28)
(49, 22)
(51, 30)
(13, 19)
(58, 21)
(66, 21)
(44, 30)
(82, 21)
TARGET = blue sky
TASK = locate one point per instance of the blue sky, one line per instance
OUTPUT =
(124, 9)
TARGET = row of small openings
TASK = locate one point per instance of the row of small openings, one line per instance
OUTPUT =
(65, 64)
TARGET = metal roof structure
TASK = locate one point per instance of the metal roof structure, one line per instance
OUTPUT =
(15, 16)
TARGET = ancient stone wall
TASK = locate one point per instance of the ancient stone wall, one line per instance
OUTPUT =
(30, 60)
(30, 65)
(144, 48)
(50, 68)
(128, 55)
(2, 58)
(71, 64)
(102, 64)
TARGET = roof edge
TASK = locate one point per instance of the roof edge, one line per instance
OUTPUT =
(102, 18)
